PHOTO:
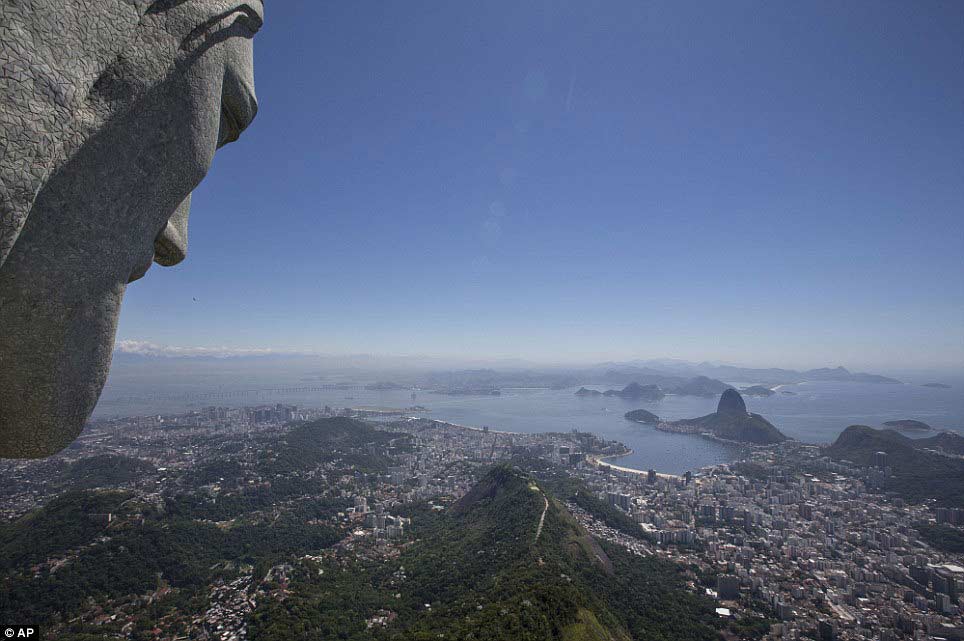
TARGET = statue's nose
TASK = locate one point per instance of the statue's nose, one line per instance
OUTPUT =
(170, 246)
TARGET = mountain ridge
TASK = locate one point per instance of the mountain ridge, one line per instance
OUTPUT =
(917, 469)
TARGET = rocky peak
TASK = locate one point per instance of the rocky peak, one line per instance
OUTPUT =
(731, 403)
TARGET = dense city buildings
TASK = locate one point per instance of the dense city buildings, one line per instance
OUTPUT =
(803, 539)
(789, 541)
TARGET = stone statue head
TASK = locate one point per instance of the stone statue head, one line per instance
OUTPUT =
(110, 114)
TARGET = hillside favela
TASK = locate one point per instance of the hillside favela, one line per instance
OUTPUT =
(507, 321)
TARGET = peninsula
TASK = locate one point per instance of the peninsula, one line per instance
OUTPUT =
(731, 422)
(642, 416)
(758, 390)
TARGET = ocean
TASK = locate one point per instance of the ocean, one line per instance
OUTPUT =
(813, 412)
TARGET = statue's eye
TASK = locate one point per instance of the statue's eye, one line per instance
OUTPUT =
(249, 16)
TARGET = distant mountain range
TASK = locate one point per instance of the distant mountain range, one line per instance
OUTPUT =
(697, 386)
(702, 386)
(154, 365)
(690, 380)
(843, 375)
(773, 376)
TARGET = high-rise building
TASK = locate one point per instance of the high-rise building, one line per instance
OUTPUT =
(942, 603)
(880, 460)
(825, 631)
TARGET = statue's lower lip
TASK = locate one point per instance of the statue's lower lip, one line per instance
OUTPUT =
(169, 249)
(139, 271)
(234, 127)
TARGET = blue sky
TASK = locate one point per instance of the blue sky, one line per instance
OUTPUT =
(754, 182)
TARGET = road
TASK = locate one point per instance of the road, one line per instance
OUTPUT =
(542, 519)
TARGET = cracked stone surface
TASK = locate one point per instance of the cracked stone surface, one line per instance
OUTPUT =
(110, 114)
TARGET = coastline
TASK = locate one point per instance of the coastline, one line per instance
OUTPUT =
(603, 461)
(463, 427)
(680, 427)
(593, 459)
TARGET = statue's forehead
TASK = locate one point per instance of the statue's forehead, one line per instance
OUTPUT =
(53, 55)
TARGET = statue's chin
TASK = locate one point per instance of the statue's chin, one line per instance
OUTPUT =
(61, 351)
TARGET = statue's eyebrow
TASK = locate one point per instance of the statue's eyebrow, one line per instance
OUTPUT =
(253, 14)
(159, 6)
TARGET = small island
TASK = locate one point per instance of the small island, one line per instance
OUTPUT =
(909, 425)
(937, 385)
(637, 392)
(582, 391)
(757, 390)
(642, 416)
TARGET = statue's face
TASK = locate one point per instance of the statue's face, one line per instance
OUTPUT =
(182, 88)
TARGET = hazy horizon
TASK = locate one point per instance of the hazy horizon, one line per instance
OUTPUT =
(388, 362)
